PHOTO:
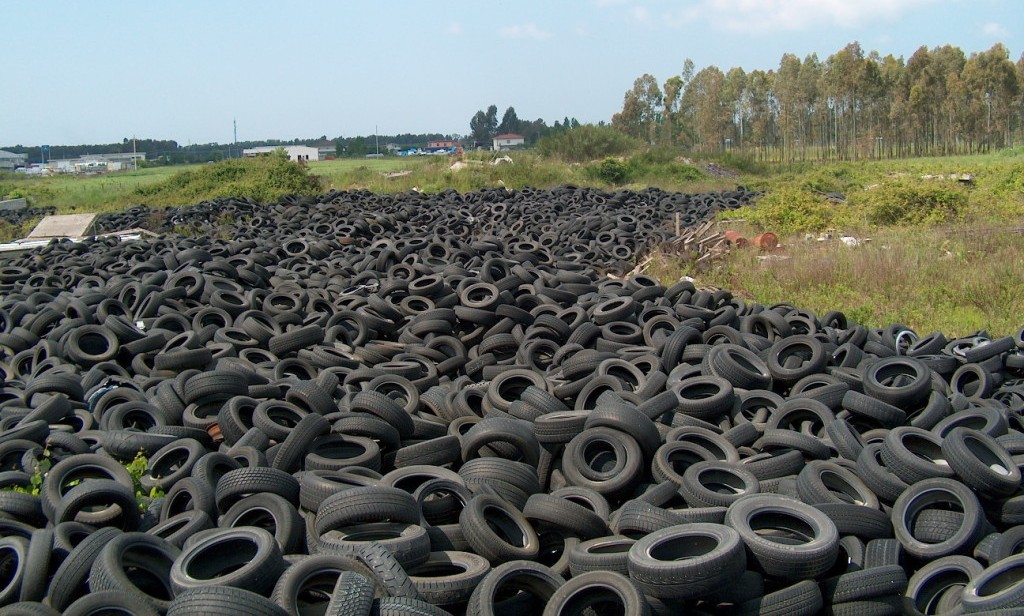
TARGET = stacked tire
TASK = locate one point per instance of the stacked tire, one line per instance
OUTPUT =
(444, 404)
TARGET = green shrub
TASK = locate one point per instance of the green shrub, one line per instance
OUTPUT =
(742, 162)
(911, 202)
(263, 179)
(585, 143)
(789, 210)
(610, 170)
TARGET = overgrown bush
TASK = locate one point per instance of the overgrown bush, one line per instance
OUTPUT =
(263, 179)
(743, 162)
(585, 143)
(907, 202)
(790, 210)
(610, 170)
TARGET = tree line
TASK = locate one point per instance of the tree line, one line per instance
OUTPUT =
(484, 126)
(851, 105)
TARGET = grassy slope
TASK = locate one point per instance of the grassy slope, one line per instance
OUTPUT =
(960, 273)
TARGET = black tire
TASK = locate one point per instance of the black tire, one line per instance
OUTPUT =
(981, 462)
(914, 454)
(79, 468)
(69, 581)
(490, 430)
(312, 582)
(189, 494)
(940, 577)
(497, 531)
(138, 564)
(408, 543)
(171, 463)
(222, 601)
(449, 577)
(352, 596)
(109, 603)
(440, 451)
(38, 558)
(865, 584)
(597, 590)
(686, 561)
(385, 408)
(621, 461)
(717, 484)
(609, 553)
(13, 561)
(944, 493)
(295, 446)
(845, 440)
(366, 504)
(857, 520)
(813, 539)
(795, 357)
(239, 483)
(116, 504)
(179, 527)
(801, 599)
(999, 586)
(246, 557)
(740, 366)
(903, 382)
(886, 485)
(828, 482)
(29, 608)
(627, 419)
(872, 412)
(271, 512)
(704, 397)
(537, 584)
(565, 515)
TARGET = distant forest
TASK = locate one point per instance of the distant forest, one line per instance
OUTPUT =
(851, 105)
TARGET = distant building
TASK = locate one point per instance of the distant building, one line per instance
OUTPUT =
(125, 158)
(296, 153)
(509, 141)
(327, 152)
(10, 160)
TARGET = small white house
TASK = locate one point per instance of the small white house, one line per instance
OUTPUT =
(296, 153)
(508, 141)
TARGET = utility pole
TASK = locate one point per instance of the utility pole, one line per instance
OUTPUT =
(135, 160)
(234, 122)
(376, 140)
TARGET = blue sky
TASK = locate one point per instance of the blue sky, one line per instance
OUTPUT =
(95, 72)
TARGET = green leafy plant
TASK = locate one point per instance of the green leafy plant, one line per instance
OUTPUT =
(926, 202)
(610, 170)
(587, 142)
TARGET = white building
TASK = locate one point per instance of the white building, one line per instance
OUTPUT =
(295, 153)
(10, 160)
(508, 141)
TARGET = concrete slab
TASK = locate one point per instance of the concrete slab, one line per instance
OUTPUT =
(64, 225)
(13, 204)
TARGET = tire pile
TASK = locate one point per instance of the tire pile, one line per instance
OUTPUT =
(21, 216)
(441, 404)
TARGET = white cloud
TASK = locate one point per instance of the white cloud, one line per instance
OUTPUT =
(640, 14)
(790, 15)
(524, 31)
(455, 28)
(994, 30)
